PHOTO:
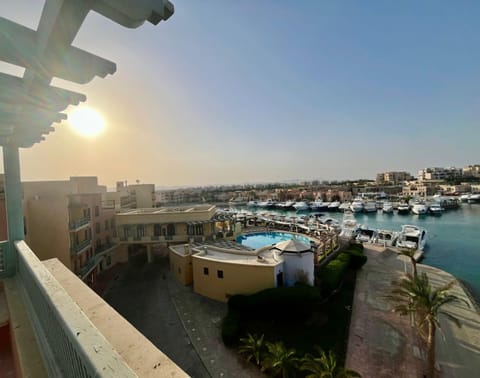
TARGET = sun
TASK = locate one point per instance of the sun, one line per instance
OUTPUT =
(86, 121)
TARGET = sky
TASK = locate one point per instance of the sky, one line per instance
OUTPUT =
(228, 92)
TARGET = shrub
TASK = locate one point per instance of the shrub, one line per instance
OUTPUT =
(331, 275)
(231, 328)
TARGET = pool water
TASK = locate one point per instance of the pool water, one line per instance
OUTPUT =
(262, 239)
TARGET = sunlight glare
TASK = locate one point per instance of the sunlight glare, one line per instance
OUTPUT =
(86, 121)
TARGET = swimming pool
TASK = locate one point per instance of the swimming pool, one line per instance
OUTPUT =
(261, 239)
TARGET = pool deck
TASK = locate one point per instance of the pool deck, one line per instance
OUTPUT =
(380, 341)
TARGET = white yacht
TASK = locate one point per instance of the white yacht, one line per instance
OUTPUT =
(474, 198)
(369, 207)
(387, 207)
(301, 206)
(403, 208)
(412, 237)
(465, 197)
(366, 235)
(344, 206)
(386, 238)
(252, 204)
(349, 226)
(266, 204)
(435, 208)
(334, 206)
(419, 208)
(357, 205)
(319, 205)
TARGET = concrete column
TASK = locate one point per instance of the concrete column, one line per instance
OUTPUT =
(149, 253)
(13, 194)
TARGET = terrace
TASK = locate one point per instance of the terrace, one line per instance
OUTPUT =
(51, 323)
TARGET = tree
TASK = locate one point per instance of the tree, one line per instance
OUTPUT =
(415, 295)
(324, 365)
(253, 347)
(280, 360)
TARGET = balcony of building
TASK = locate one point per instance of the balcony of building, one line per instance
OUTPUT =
(81, 246)
(52, 324)
(79, 224)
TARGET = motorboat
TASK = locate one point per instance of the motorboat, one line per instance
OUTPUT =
(474, 198)
(301, 206)
(465, 197)
(357, 205)
(369, 207)
(387, 207)
(419, 208)
(266, 204)
(252, 203)
(366, 235)
(238, 201)
(334, 206)
(386, 238)
(319, 205)
(412, 237)
(403, 208)
(435, 208)
(349, 226)
(344, 206)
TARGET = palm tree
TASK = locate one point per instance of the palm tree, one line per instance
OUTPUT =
(253, 348)
(325, 366)
(280, 360)
(415, 295)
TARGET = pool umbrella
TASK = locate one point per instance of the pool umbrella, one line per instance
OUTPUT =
(292, 246)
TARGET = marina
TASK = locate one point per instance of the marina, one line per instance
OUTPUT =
(453, 244)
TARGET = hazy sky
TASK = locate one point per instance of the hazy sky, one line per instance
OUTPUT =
(248, 91)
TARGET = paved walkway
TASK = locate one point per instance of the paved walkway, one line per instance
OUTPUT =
(384, 344)
(182, 324)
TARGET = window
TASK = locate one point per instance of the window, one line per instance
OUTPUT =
(97, 227)
(97, 211)
(220, 273)
(99, 243)
(157, 229)
(140, 231)
(106, 224)
(205, 271)
(109, 259)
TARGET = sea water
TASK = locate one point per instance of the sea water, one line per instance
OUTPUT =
(453, 242)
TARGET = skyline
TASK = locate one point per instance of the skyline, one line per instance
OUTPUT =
(247, 92)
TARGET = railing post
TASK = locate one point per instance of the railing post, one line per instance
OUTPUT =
(13, 196)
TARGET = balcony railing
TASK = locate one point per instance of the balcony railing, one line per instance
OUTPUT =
(70, 344)
(81, 246)
(79, 223)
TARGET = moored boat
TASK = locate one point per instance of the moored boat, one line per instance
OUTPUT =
(419, 208)
(387, 207)
(413, 238)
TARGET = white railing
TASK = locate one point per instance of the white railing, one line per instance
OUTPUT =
(71, 345)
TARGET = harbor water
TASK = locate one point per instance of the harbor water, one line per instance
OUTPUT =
(453, 243)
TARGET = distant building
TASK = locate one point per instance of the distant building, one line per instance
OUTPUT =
(393, 178)
(472, 171)
(439, 173)
(421, 188)
(136, 196)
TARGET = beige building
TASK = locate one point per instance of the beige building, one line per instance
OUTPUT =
(219, 273)
(393, 178)
(68, 220)
(139, 196)
(173, 225)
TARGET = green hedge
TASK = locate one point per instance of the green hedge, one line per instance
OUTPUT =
(331, 275)
(231, 327)
(357, 258)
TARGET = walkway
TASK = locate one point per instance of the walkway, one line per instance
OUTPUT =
(182, 324)
(383, 344)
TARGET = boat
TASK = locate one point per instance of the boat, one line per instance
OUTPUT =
(238, 201)
(369, 207)
(435, 208)
(252, 203)
(301, 206)
(349, 226)
(386, 238)
(412, 237)
(334, 206)
(419, 208)
(344, 206)
(266, 204)
(403, 208)
(387, 207)
(366, 235)
(319, 205)
(474, 198)
(464, 197)
(357, 205)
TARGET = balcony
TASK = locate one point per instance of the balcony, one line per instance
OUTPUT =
(62, 328)
(81, 247)
(79, 224)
